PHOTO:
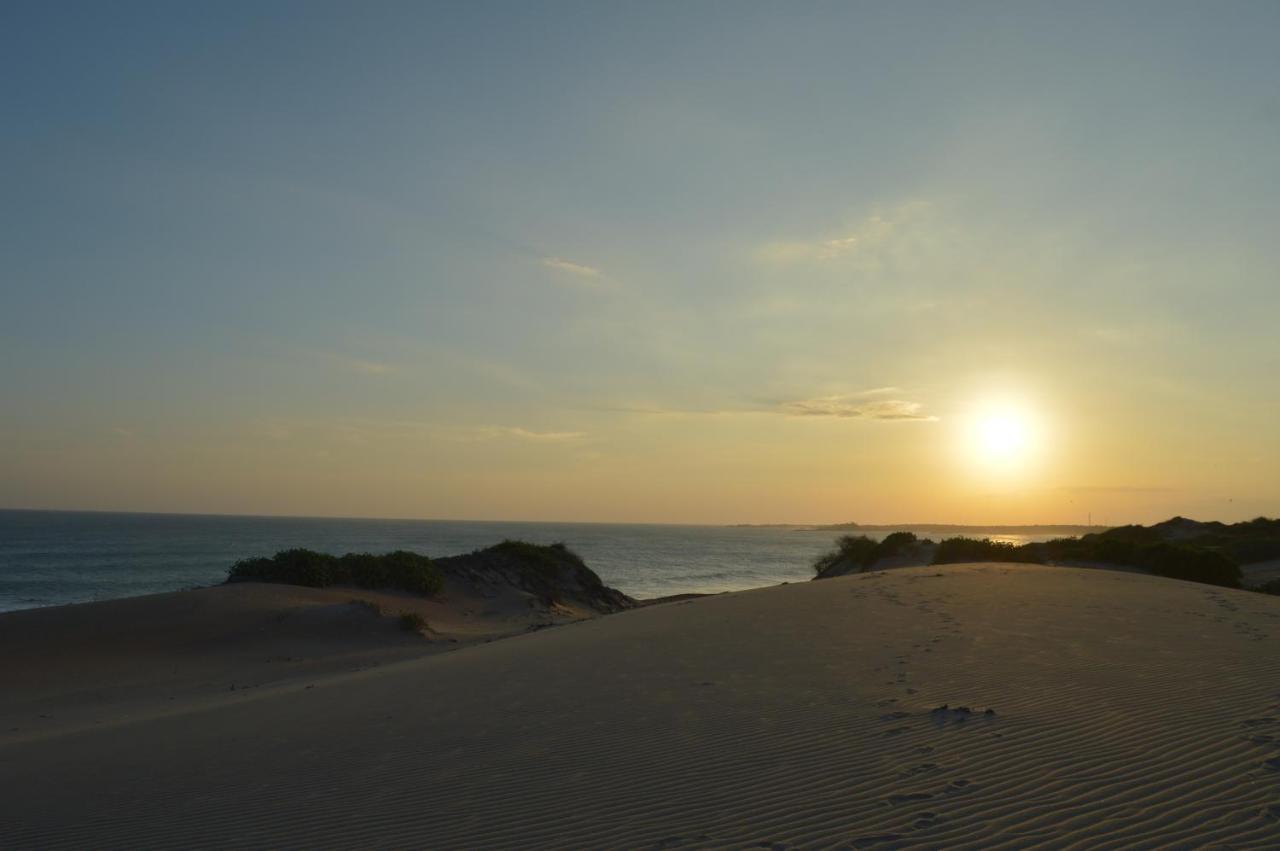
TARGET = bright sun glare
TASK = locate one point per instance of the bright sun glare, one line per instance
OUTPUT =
(1002, 438)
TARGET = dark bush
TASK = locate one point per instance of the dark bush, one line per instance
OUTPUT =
(411, 572)
(1250, 550)
(544, 559)
(862, 552)
(858, 550)
(1272, 587)
(894, 544)
(1190, 563)
(957, 550)
(294, 567)
(401, 570)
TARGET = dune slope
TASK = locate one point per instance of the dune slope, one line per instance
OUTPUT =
(1129, 712)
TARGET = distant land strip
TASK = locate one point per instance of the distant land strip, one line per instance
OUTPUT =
(1040, 529)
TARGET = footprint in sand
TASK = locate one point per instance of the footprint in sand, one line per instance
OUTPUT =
(1272, 764)
(926, 819)
(922, 768)
(872, 841)
(907, 797)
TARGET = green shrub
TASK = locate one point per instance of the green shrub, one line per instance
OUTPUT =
(894, 544)
(541, 558)
(402, 570)
(411, 572)
(1189, 561)
(863, 552)
(856, 549)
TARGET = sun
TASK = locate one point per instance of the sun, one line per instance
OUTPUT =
(1002, 439)
(1002, 436)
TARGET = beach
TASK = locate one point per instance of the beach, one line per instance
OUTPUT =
(969, 706)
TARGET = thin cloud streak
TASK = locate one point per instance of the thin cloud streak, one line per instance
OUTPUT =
(850, 407)
(561, 265)
(847, 406)
(490, 432)
(578, 275)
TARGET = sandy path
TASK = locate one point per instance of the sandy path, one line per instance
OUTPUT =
(1131, 712)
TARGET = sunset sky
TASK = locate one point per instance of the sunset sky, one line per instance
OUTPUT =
(687, 262)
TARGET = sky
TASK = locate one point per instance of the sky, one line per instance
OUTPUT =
(652, 262)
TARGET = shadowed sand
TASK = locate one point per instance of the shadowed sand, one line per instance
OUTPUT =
(1129, 711)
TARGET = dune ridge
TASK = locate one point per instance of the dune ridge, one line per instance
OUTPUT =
(1129, 712)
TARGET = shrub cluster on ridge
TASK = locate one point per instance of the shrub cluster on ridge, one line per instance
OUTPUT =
(402, 570)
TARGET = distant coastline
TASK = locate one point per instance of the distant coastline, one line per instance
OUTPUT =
(1037, 529)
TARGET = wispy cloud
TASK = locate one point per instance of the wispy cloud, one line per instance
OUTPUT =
(867, 404)
(578, 274)
(582, 270)
(847, 407)
(490, 432)
(872, 231)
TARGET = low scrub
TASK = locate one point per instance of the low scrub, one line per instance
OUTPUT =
(862, 552)
(956, 550)
(401, 570)
(1130, 548)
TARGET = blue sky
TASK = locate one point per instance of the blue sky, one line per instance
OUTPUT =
(703, 262)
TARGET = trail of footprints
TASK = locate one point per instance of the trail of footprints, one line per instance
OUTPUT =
(1262, 731)
(899, 722)
(1229, 609)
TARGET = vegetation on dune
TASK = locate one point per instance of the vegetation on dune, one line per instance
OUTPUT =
(545, 559)
(401, 570)
(956, 550)
(1177, 548)
(553, 573)
(862, 552)
(1196, 558)
(1127, 546)
(550, 563)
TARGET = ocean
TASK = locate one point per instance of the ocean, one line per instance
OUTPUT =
(49, 558)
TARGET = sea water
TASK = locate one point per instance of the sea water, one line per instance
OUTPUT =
(49, 558)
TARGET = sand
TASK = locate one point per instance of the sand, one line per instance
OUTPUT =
(1129, 712)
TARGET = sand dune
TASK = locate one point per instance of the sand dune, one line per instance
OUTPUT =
(1129, 712)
